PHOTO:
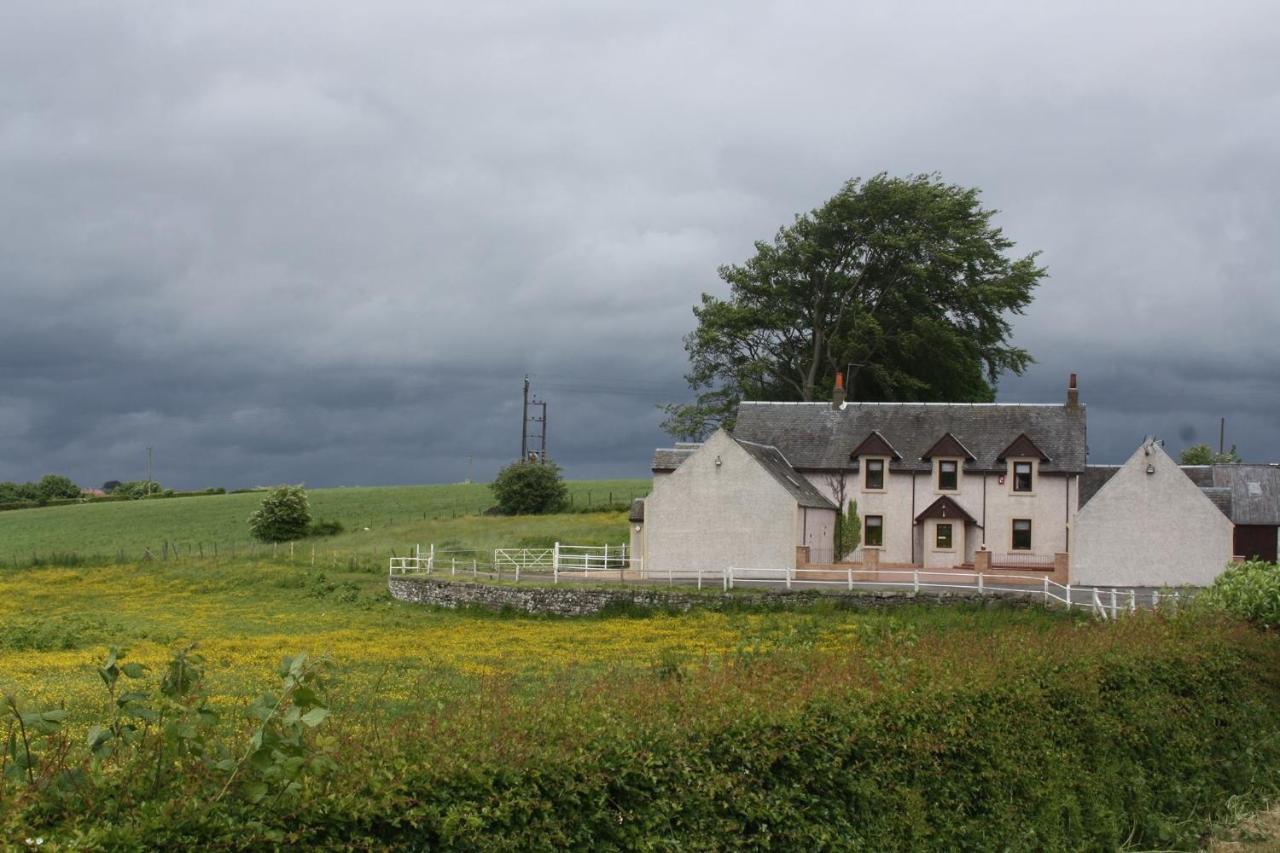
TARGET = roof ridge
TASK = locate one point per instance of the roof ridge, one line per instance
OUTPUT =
(772, 447)
(850, 403)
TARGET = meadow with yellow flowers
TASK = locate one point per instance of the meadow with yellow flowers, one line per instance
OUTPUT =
(256, 703)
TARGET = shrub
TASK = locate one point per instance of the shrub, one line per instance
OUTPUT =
(54, 486)
(325, 528)
(285, 514)
(848, 531)
(138, 489)
(530, 488)
(1249, 590)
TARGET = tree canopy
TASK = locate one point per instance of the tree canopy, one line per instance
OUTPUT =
(902, 282)
(1202, 454)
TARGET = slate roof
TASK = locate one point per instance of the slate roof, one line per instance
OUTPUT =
(772, 460)
(669, 458)
(1226, 485)
(1255, 492)
(1221, 498)
(818, 436)
(1093, 479)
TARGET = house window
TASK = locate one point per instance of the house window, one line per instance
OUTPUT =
(947, 476)
(873, 531)
(1022, 476)
(875, 474)
(1022, 534)
(943, 537)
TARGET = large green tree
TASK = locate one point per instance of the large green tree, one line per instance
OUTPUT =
(903, 282)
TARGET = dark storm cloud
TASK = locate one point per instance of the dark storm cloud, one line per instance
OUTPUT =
(323, 242)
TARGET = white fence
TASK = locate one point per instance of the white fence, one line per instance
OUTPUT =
(608, 563)
(1105, 602)
(558, 561)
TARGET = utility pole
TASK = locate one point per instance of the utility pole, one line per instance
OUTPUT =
(543, 454)
(524, 422)
(1222, 436)
(527, 453)
(148, 470)
(541, 434)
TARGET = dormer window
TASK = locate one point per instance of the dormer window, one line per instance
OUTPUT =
(1022, 476)
(948, 454)
(948, 475)
(874, 477)
(1024, 459)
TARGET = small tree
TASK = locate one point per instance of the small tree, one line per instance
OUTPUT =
(848, 530)
(530, 488)
(54, 486)
(1202, 454)
(285, 514)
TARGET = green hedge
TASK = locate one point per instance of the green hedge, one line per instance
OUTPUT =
(1070, 736)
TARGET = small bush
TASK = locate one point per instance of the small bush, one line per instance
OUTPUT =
(530, 488)
(285, 514)
(325, 528)
(138, 489)
(1250, 591)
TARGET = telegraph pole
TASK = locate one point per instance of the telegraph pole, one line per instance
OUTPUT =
(148, 470)
(543, 454)
(524, 422)
(527, 452)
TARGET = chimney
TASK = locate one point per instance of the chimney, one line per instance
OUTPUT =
(1073, 393)
(837, 396)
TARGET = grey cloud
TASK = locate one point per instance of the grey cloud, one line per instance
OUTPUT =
(323, 242)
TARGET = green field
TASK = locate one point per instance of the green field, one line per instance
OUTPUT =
(924, 727)
(377, 521)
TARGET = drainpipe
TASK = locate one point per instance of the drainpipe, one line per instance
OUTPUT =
(913, 517)
(984, 510)
(1066, 513)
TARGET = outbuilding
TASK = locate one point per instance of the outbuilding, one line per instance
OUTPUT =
(728, 503)
(1149, 525)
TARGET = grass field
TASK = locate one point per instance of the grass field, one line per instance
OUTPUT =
(961, 727)
(395, 517)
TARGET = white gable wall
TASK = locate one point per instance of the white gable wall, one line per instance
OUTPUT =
(1150, 530)
(709, 516)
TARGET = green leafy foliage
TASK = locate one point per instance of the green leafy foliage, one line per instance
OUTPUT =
(51, 487)
(283, 748)
(1249, 590)
(902, 281)
(285, 514)
(530, 488)
(1202, 454)
(848, 530)
(138, 489)
(54, 486)
(1132, 735)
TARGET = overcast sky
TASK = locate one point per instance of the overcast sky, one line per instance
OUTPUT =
(323, 242)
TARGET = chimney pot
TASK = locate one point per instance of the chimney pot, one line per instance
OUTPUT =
(837, 396)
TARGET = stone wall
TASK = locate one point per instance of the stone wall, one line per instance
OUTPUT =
(567, 600)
